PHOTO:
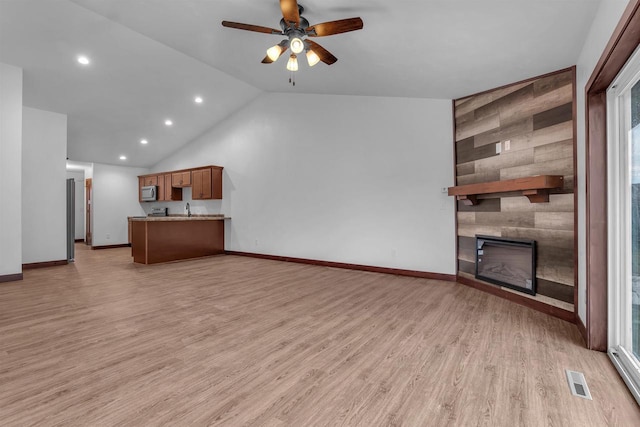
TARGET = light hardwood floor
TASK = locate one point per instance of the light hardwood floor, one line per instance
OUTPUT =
(238, 341)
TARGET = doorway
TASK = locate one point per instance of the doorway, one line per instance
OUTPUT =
(87, 198)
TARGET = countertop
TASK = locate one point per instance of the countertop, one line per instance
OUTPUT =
(179, 218)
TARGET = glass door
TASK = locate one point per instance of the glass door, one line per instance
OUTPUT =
(623, 99)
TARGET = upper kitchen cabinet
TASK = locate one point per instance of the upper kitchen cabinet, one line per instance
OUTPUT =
(149, 180)
(161, 188)
(171, 193)
(181, 179)
(152, 180)
(206, 183)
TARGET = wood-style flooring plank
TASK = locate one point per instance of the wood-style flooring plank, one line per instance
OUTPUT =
(237, 341)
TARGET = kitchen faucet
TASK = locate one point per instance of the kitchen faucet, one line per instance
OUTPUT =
(188, 209)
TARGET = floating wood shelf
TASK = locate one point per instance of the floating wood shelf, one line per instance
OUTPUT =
(535, 188)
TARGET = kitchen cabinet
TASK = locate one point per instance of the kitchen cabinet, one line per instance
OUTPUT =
(141, 183)
(206, 183)
(164, 239)
(161, 188)
(201, 184)
(181, 179)
(171, 192)
(149, 180)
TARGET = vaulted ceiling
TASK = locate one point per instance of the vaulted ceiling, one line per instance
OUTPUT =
(150, 58)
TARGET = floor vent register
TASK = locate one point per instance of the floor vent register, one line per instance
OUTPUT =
(578, 384)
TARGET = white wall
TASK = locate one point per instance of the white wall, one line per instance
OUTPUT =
(115, 197)
(10, 170)
(78, 179)
(44, 152)
(336, 178)
(602, 28)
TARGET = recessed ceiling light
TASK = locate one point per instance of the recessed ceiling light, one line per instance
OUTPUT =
(168, 122)
(123, 157)
(198, 99)
(83, 60)
(144, 141)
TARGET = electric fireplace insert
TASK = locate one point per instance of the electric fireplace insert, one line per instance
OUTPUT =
(507, 262)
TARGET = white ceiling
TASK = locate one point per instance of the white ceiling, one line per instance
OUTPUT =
(151, 57)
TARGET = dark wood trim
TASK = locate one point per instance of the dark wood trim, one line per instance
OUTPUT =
(569, 316)
(79, 240)
(596, 221)
(370, 268)
(10, 277)
(581, 328)
(44, 264)
(530, 79)
(122, 245)
(622, 44)
(575, 192)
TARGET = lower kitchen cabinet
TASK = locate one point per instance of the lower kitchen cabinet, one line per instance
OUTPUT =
(163, 239)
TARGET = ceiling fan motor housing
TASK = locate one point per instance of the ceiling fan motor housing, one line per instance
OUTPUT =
(304, 24)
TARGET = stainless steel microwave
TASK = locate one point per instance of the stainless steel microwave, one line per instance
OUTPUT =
(148, 193)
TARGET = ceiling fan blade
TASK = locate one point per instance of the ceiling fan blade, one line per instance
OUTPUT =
(290, 11)
(325, 56)
(335, 27)
(249, 27)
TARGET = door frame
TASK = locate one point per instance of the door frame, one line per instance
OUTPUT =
(88, 185)
(621, 46)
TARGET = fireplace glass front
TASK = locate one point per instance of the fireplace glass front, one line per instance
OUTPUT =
(507, 262)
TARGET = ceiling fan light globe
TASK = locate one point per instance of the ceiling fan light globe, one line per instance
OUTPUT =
(274, 52)
(312, 58)
(297, 45)
(292, 64)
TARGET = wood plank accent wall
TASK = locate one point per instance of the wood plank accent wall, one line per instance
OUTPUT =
(537, 118)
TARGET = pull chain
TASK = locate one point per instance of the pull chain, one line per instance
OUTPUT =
(292, 78)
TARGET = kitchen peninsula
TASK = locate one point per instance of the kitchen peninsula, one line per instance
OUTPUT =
(171, 238)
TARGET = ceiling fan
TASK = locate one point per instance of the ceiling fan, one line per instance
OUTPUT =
(296, 29)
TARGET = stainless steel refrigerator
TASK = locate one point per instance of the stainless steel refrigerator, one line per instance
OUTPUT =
(71, 218)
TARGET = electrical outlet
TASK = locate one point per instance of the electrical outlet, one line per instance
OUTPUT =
(108, 236)
(507, 145)
(256, 242)
(498, 148)
(444, 190)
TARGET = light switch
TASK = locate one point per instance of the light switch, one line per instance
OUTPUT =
(507, 145)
